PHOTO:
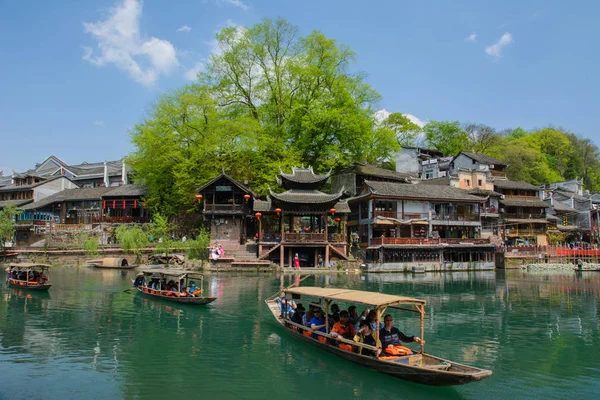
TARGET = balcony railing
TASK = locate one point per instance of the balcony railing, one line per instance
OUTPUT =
(434, 216)
(303, 237)
(525, 216)
(119, 220)
(498, 173)
(513, 232)
(455, 217)
(417, 241)
(208, 207)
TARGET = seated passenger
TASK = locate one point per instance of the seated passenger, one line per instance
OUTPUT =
(298, 315)
(183, 292)
(335, 314)
(194, 290)
(287, 306)
(353, 320)
(366, 336)
(139, 280)
(391, 337)
(343, 329)
(317, 323)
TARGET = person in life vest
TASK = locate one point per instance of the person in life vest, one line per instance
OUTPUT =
(391, 337)
(194, 290)
(366, 336)
(344, 329)
(317, 323)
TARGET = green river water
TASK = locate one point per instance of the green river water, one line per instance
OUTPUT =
(87, 338)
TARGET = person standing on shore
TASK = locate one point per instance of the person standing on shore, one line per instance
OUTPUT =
(296, 261)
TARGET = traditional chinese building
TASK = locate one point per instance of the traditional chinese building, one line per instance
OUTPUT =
(302, 220)
(227, 209)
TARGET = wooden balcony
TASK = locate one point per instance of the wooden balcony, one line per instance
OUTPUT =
(426, 241)
(520, 197)
(212, 208)
(524, 216)
(455, 217)
(498, 173)
(119, 220)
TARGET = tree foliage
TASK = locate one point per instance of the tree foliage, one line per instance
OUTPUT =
(268, 99)
(405, 131)
(132, 239)
(448, 137)
(7, 224)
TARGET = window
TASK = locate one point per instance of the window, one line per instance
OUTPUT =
(468, 182)
(479, 182)
(429, 175)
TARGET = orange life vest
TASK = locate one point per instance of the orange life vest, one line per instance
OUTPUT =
(345, 346)
(398, 351)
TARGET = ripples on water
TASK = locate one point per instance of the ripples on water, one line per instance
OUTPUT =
(88, 337)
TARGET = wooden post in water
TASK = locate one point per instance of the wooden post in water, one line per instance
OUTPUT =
(422, 313)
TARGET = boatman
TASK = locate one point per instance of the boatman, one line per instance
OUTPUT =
(139, 280)
(391, 337)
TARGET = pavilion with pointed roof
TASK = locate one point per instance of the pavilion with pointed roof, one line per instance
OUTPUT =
(302, 220)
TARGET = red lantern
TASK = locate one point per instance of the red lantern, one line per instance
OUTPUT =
(258, 215)
(338, 220)
(199, 197)
(247, 197)
(332, 211)
(278, 211)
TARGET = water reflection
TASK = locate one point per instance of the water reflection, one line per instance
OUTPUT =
(538, 332)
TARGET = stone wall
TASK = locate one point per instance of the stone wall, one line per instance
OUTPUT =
(421, 267)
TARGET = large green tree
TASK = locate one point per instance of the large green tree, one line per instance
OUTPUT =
(268, 99)
(404, 129)
(446, 136)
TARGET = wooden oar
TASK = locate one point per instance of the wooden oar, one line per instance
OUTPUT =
(274, 295)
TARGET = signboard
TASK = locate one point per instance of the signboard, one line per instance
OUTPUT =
(223, 188)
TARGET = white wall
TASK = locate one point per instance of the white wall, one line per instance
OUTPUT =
(47, 189)
(407, 161)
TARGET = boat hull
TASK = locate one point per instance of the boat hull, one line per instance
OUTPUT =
(24, 285)
(112, 267)
(463, 374)
(179, 300)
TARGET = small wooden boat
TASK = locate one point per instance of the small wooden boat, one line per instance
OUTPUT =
(28, 276)
(111, 263)
(159, 276)
(418, 367)
(586, 269)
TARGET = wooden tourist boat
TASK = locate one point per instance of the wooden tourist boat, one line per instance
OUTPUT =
(21, 276)
(418, 367)
(111, 263)
(173, 296)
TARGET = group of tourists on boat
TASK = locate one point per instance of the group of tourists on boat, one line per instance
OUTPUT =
(168, 288)
(349, 325)
(36, 277)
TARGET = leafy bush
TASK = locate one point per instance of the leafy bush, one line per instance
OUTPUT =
(132, 239)
(91, 246)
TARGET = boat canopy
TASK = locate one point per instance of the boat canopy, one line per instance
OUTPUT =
(354, 296)
(170, 272)
(29, 265)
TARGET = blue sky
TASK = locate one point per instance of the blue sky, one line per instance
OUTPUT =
(73, 88)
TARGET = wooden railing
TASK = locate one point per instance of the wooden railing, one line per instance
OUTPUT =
(119, 220)
(455, 217)
(303, 237)
(223, 207)
(385, 240)
(525, 216)
(498, 173)
(527, 232)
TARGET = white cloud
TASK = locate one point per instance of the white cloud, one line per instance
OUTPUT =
(381, 115)
(472, 38)
(495, 50)
(99, 122)
(184, 28)
(235, 3)
(192, 73)
(120, 43)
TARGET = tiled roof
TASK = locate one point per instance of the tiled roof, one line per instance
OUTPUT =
(360, 168)
(306, 196)
(524, 203)
(483, 192)
(443, 181)
(127, 190)
(304, 175)
(558, 206)
(483, 159)
(508, 184)
(16, 203)
(420, 191)
(342, 207)
(70, 195)
(224, 175)
(567, 193)
(13, 188)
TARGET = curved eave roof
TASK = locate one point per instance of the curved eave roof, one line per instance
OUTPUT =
(354, 296)
(304, 175)
(298, 196)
